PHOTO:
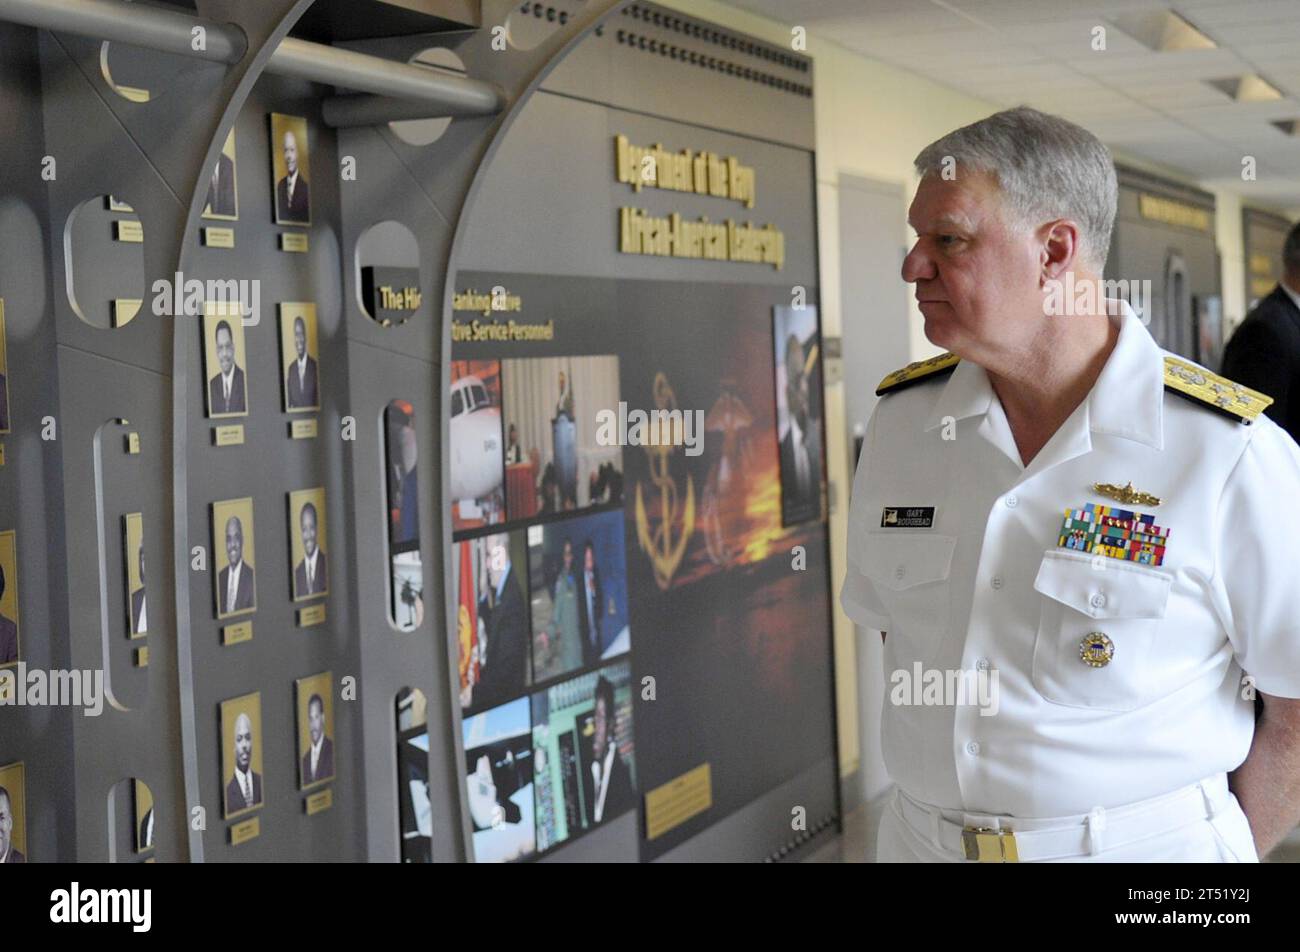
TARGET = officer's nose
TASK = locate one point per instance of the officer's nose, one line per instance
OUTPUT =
(918, 266)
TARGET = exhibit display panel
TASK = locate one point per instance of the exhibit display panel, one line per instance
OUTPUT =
(1163, 255)
(345, 571)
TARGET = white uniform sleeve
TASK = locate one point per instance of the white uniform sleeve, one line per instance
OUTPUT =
(1258, 570)
(858, 595)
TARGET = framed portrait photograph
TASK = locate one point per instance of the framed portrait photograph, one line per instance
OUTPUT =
(144, 826)
(137, 608)
(291, 169)
(241, 754)
(4, 374)
(8, 598)
(223, 196)
(233, 557)
(307, 545)
(13, 815)
(300, 356)
(224, 357)
(797, 361)
(314, 698)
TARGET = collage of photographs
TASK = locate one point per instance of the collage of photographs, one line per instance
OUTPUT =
(543, 634)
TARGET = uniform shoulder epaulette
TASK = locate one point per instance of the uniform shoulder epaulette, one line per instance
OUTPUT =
(917, 371)
(1217, 393)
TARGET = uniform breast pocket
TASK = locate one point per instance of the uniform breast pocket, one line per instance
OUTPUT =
(910, 574)
(1098, 628)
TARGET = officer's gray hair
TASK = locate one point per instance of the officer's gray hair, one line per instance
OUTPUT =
(1046, 167)
(1291, 252)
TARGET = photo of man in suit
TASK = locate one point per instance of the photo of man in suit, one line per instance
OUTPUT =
(318, 762)
(403, 481)
(504, 639)
(292, 198)
(310, 577)
(139, 612)
(8, 630)
(590, 607)
(245, 787)
(300, 376)
(226, 393)
(222, 202)
(236, 589)
(609, 782)
(800, 445)
(8, 852)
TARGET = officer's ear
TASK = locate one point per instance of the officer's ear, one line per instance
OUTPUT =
(1058, 250)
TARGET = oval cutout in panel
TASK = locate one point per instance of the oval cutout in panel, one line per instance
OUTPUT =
(127, 542)
(421, 132)
(103, 247)
(388, 273)
(139, 74)
(414, 813)
(406, 573)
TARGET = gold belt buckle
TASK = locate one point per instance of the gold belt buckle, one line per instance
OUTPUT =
(987, 845)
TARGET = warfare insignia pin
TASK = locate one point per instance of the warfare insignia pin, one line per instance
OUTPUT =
(1125, 494)
(1096, 649)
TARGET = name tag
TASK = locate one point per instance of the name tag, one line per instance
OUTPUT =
(907, 517)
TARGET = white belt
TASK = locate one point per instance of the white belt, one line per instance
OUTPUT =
(1008, 839)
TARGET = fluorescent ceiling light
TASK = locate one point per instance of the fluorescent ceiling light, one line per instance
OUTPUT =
(1164, 31)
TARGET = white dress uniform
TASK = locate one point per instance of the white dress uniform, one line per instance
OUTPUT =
(1118, 631)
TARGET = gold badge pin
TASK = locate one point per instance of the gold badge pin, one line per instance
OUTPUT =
(1096, 650)
(1125, 494)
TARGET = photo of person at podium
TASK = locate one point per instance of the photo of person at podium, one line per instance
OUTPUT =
(561, 454)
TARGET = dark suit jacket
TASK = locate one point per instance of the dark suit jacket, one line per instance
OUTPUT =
(222, 200)
(137, 606)
(300, 210)
(791, 496)
(619, 795)
(304, 394)
(217, 396)
(15, 856)
(507, 648)
(592, 642)
(235, 796)
(300, 577)
(146, 829)
(1264, 354)
(324, 766)
(8, 640)
(244, 598)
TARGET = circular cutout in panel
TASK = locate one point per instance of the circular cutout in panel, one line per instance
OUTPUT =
(103, 246)
(428, 131)
(141, 75)
(388, 273)
(530, 23)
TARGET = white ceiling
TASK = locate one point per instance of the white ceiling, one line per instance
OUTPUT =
(1156, 106)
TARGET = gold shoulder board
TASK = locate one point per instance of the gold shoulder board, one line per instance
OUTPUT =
(1218, 393)
(917, 371)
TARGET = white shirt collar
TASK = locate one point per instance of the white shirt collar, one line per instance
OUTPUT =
(1127, 399)
(228, 380)
(302, 365)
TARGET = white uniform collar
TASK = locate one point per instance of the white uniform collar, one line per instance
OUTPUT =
(1127, 400)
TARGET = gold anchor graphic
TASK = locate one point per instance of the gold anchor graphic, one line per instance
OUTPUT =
(665, 554)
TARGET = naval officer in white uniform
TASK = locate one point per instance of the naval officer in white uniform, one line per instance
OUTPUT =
(1112, 532)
